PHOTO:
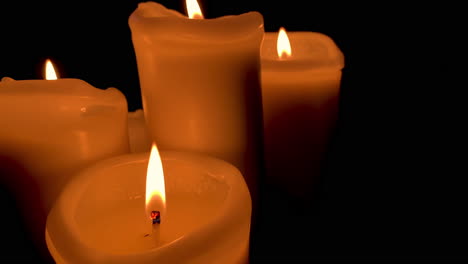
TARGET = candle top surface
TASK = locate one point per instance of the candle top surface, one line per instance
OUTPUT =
(97, 216)
(65, 103)
(310, 51)
(62, 87)
(163, 23)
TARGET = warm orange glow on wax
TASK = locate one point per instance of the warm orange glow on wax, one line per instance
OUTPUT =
(193, 9)
(283, 47)
(50, 73)
(155, 187)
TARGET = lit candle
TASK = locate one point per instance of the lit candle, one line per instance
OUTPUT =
(200, 83)
(155, 196)
(138, 132)
(52, 129)
(104, 216)
(300, 89)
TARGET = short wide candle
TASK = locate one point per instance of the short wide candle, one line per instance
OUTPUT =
(300, 106)
(51, 129)
(99, 217)
(56, 127)
(200, 83)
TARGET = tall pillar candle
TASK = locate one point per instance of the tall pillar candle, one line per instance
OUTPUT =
(51, 129)
(200, 83)
(300, 92)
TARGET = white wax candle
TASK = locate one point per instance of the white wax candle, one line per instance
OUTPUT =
(300, 103)
(200, 83)
(52, 129)
(138, 133)
(100, 215)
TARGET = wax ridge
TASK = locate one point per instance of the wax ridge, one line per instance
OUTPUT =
(155, 21)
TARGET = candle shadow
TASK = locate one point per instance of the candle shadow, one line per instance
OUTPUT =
(254, 156)
(23, 218)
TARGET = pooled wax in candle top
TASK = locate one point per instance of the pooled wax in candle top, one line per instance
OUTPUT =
(192, 201)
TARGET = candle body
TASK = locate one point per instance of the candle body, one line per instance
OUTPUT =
(138, 133)
(52, 129)
(200, 84)
(100, 216)
(300, 107)
(57, 127)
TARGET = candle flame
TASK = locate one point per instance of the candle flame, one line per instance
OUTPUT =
(50, 73)
(155, 187)
(193, 9)
(283, 47)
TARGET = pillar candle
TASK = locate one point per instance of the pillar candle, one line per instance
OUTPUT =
(300, 95)
(200, 83)
(99, 217)
(51, 129)
(138, 132)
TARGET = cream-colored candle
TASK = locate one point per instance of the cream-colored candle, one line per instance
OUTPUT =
(300, 90)
(200, 83)
(100, 216)
(52, 129)
(140, 140)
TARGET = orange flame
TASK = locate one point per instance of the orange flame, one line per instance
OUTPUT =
(283, 47)
(50, 73)
(193, 9)
(155, 198)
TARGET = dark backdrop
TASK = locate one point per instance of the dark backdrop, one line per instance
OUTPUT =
(392, 187)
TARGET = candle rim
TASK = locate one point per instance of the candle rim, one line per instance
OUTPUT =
(334, 59)
(233, 27)
(66, 87)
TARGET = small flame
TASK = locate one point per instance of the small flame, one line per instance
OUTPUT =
(283, 47)
(193, 9)
(50, 73)
(155, 188)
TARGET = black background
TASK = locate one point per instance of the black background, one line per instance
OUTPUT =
(392, 186)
